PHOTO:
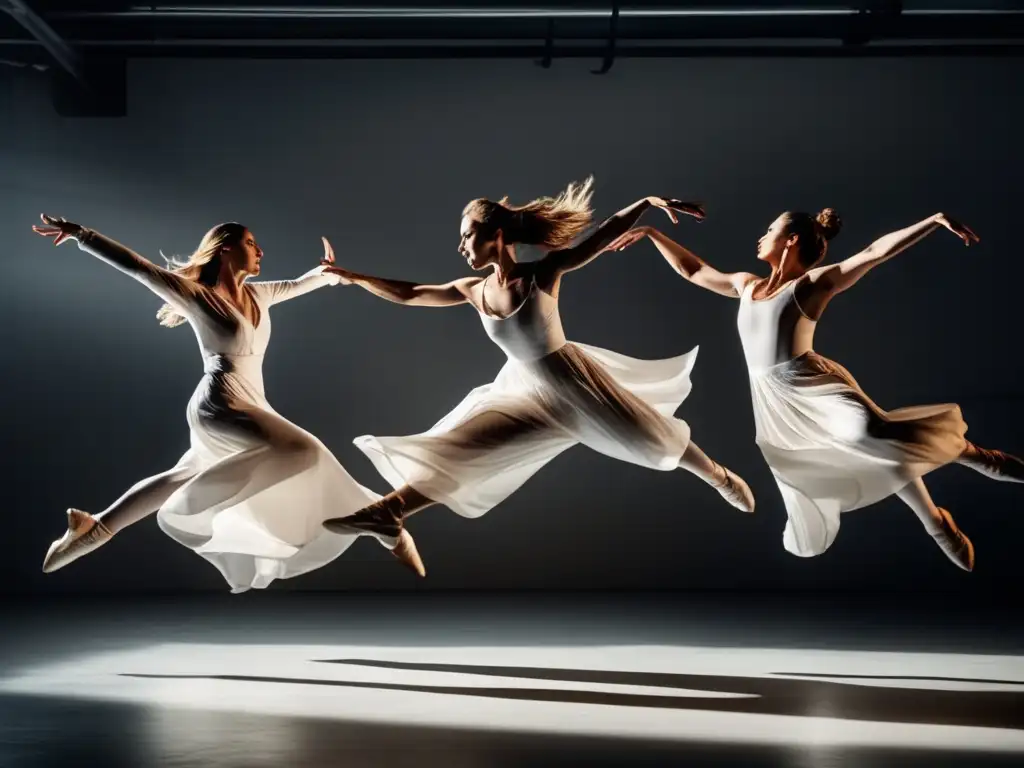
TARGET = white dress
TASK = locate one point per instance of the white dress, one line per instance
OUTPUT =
(830, 448)
(251, 493)
(551, 394)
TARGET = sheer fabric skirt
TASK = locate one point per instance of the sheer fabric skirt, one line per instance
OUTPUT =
(832, 450)
(502, 433)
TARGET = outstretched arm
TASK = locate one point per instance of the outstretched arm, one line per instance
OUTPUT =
(402, 291)
(689, 266)
(557, 263)
(411, 294)
(825, 282)
(277, 291)
(170, 287)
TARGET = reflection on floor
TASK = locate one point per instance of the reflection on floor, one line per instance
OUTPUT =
(298, 680)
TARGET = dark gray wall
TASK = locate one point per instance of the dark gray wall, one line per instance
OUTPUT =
(381, 156)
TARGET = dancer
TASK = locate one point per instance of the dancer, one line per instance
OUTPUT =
(830, 448)
(253, 490)
(551, 394)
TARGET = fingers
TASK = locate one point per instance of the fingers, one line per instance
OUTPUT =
(696, 210)
(622, 242)
(692, 209)
(56, 227)
(328, 251)
(962, 231)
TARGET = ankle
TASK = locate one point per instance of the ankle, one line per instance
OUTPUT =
(719, 477)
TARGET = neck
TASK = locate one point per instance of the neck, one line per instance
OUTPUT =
(783, 272)
(231, 280)
(505, 264)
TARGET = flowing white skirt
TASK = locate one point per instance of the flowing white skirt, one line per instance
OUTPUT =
(504, 432)
(832, 450)
(258, 487)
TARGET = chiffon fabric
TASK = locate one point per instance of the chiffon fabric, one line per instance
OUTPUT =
(830, 448)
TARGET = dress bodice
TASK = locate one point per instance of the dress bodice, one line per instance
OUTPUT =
(773, 330)
(532, 331)
(229, 341)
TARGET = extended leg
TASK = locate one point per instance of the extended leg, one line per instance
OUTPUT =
(384, 520)
(731, 486)
(939, 524)
(87, 532)
(506, 437)
(993, 464)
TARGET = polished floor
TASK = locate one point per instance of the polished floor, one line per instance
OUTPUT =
(302, 680)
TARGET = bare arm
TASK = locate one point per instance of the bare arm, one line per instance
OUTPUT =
(411, 294)
(401, 291)
(687, 264)
(557, 263)
(691, 267)
(825, 282)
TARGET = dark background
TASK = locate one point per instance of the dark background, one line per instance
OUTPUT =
(380, 157)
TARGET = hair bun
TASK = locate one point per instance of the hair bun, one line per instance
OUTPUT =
(829, 222)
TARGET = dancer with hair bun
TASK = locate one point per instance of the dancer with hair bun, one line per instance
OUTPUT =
(830, 448)
(552, 393)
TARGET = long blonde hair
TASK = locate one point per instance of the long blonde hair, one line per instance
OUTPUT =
(551, 222)
(203, 266)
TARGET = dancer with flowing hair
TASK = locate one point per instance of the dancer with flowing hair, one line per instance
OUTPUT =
(251, 493)
(829, 446)
(551, 393)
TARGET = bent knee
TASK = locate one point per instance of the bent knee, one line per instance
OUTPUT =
(300, 452)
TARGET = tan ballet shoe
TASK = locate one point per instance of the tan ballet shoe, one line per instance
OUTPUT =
(996, 465)
(952, 541)
(405, 550)
(736, 491)
(378, 521)
(375, 520)
(85, 533)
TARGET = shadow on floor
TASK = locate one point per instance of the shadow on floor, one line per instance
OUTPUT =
(763, 695)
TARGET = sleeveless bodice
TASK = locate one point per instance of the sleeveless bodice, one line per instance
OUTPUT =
(771, 330)
(532, 331)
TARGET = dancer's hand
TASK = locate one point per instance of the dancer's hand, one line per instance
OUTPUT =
(329, 266)
(633, 236)
(669, 206)
(57, 228)
(962, 231)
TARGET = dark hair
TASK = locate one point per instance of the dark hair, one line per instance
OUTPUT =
(553, 222)
(813, 233)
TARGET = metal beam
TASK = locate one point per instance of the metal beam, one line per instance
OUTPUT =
(80, 86)
(54, 44)
(464, 29)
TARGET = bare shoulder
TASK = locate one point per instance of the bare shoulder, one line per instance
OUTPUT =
(741, 280)
(466, 285)
(818, 273)
(819, 280)
(543, 273)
